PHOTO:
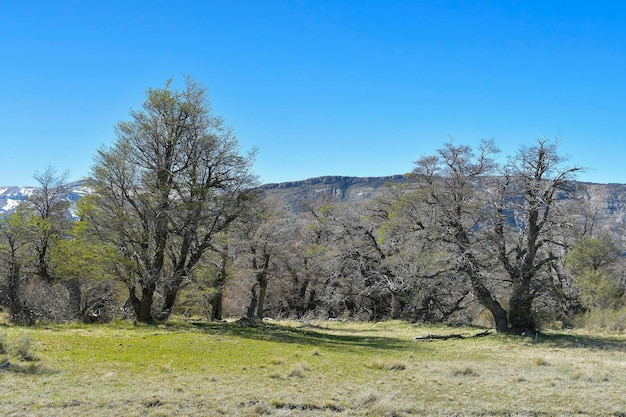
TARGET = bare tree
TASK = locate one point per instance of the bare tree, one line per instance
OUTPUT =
(529, 224)
(49, 204)
(504, 228)
(451, 183)
(51, 225)
(262, 240)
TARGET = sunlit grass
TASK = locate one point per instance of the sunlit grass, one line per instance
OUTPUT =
(317, 369)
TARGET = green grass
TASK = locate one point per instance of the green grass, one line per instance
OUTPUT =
(321, 369)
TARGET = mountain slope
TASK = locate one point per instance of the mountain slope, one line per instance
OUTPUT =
(11, 197)
(606, 202)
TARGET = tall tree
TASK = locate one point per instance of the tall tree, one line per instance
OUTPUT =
(51, 223)
(49, 206)
(504, 230)
(261, 240)
(173, 179)
(452, 181)
(529, 224)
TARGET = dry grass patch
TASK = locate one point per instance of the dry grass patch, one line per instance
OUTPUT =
(276, 361)
(386, 364)
(298, 370)
(464, 371)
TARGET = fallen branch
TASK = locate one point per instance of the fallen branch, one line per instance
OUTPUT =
(450, 336)
(5, 365)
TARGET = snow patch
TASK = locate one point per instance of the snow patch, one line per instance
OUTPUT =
(10, 205)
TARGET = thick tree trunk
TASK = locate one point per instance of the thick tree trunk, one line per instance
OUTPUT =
(170, 295)
(484, 297)
(169, 300)
(521, 319)
(262, 281)
(18, 312)
(143, 306)
(217, 306)
(217, 302)
(498, 313)
(495, 308)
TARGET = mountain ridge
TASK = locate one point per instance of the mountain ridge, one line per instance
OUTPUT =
(12, 196)
(608, 201)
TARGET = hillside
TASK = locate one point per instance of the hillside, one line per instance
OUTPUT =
(352, 190)
(607, 202)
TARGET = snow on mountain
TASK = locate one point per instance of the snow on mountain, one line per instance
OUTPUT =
(10, 205)
(11, 197)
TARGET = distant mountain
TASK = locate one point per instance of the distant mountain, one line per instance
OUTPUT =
(607, 202)
(347, 189)
(11, 196)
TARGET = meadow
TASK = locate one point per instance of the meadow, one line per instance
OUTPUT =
(238, 368)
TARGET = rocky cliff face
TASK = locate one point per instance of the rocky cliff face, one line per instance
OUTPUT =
(606, 205)
(347, 189)
(605, 202)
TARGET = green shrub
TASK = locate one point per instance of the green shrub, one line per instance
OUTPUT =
(605, 320)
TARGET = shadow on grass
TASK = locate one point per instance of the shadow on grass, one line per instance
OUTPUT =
(578, 341)
(26, 368)
(254, 329)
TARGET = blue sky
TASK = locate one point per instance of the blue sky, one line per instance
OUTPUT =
(357, 88)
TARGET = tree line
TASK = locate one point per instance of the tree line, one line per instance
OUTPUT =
(176, 223)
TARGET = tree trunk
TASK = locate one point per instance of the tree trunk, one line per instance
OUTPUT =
(217, 302)
(143, 308)
(495, 308)
(217, 306)
(484, 297)
(397, 305)
(254, 299)
(74, 306)
(169, 299)
(262, 280)
(498, 313)
(521, 319)
(18, 312)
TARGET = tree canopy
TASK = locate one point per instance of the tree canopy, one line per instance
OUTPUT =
(174, 178)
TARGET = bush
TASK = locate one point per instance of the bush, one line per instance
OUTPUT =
(3, 343)
(23, 348)
(605, 320)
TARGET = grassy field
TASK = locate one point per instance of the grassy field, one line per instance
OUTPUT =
(317, 369)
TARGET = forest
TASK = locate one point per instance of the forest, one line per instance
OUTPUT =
(176, 224)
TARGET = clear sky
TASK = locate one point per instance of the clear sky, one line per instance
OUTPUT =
(339, 87)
